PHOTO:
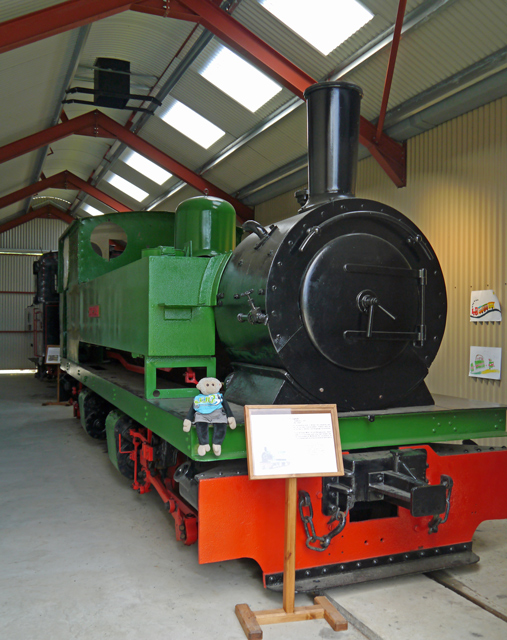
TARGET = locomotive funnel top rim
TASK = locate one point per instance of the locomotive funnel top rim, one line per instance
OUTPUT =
(331, 84)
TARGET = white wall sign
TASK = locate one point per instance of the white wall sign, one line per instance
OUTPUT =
(485, 362)
(484, 306)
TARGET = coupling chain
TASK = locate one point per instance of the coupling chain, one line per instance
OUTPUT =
(436, 521)
(323, 542)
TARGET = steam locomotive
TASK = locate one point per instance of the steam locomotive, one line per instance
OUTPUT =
(344, 303)
(42, 315)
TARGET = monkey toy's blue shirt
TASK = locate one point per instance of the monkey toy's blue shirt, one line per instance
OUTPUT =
(208, 404)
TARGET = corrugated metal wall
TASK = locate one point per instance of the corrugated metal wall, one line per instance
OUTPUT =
(16, 276)
(457, 195)
(40, 234)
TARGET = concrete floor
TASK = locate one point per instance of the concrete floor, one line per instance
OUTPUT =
(83, 556)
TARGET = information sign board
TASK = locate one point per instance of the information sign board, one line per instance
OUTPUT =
(291, 441)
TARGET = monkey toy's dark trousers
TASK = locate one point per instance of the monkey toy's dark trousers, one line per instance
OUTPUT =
(219, 430)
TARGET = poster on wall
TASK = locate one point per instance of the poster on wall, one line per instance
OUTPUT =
(485, 307)
(485, 362)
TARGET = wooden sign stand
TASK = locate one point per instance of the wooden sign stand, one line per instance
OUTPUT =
(251, 621)
(49, 360)
(47, 404)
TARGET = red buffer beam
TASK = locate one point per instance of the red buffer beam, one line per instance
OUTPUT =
(63, 180)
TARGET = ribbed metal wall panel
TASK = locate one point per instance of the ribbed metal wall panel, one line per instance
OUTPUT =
(16, 274)
(279, 208)
(13, 307)
(15, 349)
(37, 234)
(457, 194)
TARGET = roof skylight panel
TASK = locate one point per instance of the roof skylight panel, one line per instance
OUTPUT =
(147, 168)
(92, 210)
(240, 80)
(193, 125)
(325, 24)
(127, 187)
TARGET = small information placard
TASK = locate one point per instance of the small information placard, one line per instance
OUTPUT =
(293, 441)
(52, 355)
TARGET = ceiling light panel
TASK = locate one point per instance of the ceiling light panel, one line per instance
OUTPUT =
(240, 80)
(325, 24)
(191, 124)
(127, 187)
(92, 211)
(147, 168)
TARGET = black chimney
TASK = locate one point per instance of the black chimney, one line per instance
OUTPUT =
(333, 110)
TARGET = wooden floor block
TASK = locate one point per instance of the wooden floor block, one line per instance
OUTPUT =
(332, 616)
(273, 616)
(251, 620)
(248, 621)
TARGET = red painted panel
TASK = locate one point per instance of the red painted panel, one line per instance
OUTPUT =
(242, 518)
(94, 312)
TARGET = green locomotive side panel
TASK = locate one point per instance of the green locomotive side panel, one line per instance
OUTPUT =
(163, 417)
(112, 310)
(79, 260)
(160, 305)
(450, 419)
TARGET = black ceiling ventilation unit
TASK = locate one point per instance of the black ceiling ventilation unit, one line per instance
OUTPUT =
(111, 87)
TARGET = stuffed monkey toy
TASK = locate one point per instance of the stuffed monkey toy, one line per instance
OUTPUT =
(209, 408)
